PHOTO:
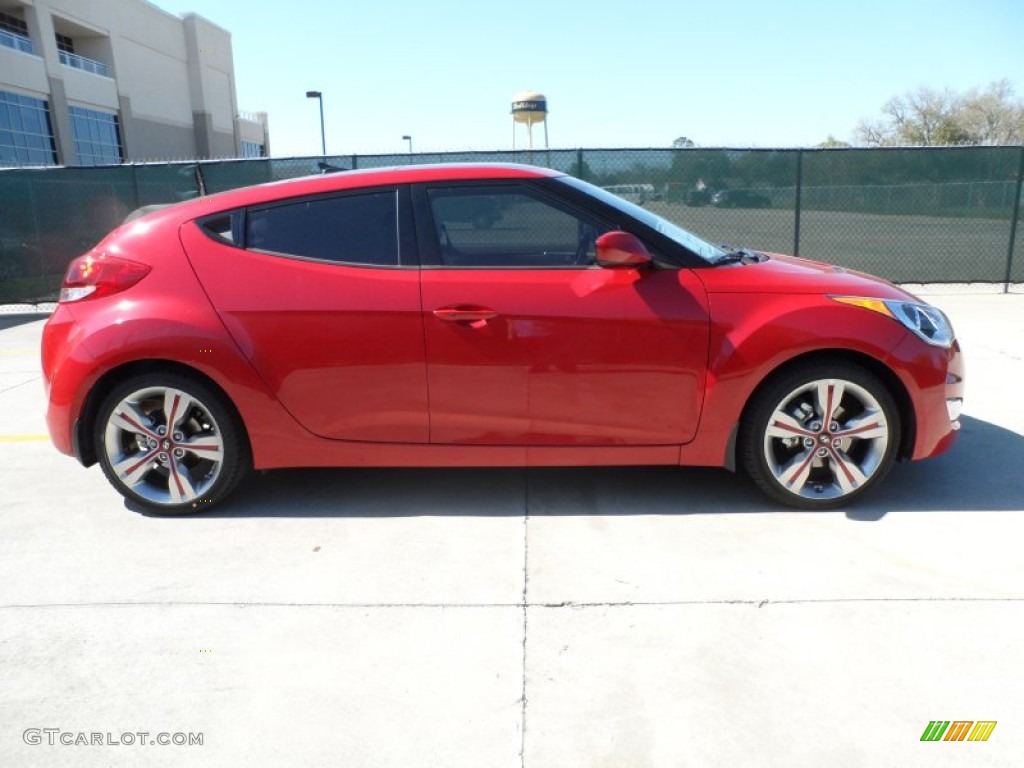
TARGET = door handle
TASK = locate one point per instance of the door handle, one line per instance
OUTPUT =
(465, 314)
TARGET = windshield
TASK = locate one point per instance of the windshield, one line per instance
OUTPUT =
(707, 251)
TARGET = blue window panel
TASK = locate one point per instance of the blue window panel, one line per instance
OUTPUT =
(17, 124)
(32, 121)
(26, 135)
(96, 136)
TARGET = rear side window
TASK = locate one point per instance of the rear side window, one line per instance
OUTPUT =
(352, 229)
(225, 227)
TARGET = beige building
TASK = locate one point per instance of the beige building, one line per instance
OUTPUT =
(89, 82)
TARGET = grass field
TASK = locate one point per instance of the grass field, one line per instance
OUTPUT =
(918, 249)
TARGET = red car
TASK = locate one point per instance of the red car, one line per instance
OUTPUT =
(369, 318)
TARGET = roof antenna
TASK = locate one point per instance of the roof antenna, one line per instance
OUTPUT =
(328, 168)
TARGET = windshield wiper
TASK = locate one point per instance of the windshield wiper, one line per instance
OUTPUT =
(737, 256)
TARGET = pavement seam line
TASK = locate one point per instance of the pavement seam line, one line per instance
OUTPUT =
(265, 604)
(787, 601)
(35, 378)
(521, 606)
(526, 585)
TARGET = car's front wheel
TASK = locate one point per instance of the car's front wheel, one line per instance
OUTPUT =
(170, 442)
(820, 435)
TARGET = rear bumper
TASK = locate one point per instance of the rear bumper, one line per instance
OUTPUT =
(66, 368)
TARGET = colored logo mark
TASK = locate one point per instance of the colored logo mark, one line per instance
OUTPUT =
(958, 730)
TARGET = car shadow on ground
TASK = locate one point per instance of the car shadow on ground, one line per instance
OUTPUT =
(983, 472)
(20, 318)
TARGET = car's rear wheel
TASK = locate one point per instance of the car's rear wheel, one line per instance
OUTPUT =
(171, 443)
(820, 435)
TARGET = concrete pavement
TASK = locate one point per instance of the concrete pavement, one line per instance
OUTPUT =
(549, 617)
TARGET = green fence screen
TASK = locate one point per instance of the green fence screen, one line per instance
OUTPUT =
(927, 215)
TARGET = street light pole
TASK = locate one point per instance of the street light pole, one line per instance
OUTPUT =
(409, 139)
(323, 136)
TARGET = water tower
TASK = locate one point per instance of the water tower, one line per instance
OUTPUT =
(528, 108)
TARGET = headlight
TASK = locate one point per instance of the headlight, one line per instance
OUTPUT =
(923, 320)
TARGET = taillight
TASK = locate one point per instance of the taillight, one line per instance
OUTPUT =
(95, 275)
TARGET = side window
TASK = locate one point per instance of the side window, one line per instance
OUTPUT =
(509, 227)
(354, 229)
(225, 227)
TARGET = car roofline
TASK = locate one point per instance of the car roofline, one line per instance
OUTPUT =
(320, 183)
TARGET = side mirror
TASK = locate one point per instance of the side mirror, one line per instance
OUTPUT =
(621, 249)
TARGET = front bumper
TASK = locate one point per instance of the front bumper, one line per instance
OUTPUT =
(934, 380)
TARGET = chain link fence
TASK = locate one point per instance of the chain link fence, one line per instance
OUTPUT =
(925, 215)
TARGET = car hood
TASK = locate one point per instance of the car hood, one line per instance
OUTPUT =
(790, 274)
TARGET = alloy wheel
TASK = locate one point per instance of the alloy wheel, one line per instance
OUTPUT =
(164, 445)
(826, 439)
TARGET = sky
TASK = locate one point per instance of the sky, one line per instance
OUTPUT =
(632, 73)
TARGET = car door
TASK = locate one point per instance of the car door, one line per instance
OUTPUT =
(322, 294)
(528, 342)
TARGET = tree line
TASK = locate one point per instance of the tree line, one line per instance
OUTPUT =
(926, 117)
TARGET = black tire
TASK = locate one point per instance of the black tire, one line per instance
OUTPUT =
(180, 470)
(786, 414)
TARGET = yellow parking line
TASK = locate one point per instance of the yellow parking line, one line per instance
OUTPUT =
(22, 438)
(18, 352)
